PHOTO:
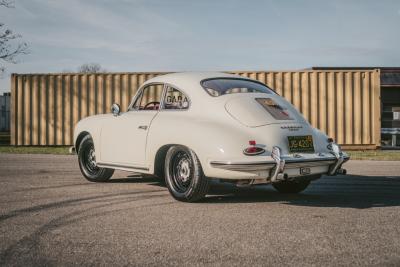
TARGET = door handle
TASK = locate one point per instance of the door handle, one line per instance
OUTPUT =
(143, 127)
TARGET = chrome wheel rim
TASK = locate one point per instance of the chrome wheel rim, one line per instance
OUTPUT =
(89, 159)
(181, 170)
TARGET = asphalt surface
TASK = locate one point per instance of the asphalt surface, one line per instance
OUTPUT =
(50, 215)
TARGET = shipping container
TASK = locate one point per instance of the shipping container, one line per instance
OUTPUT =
(343, 103)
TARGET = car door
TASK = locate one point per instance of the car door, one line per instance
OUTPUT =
(124, 137)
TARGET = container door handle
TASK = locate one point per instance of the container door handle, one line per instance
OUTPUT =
(143, 127)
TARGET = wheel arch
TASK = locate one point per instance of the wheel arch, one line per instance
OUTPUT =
(159, 158)
(79, 139)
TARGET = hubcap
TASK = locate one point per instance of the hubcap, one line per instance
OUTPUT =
(89, 160)
(181, 171)
(92, 158)
(184, 170)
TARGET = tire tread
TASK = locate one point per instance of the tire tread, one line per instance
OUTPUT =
(203, 183)
(104, 174)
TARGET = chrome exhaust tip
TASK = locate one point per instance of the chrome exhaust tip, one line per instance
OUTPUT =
(280, 164)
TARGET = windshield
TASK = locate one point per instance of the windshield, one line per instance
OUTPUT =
(223, 86)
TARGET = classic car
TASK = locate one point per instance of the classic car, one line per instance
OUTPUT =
(190, 128)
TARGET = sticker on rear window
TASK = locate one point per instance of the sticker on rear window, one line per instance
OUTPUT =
(277, 111)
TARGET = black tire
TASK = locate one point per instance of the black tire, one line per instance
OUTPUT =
(87, 162)
(291, 187)
(184, 176)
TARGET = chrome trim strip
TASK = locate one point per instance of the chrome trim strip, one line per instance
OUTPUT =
(273, 162)
(308, 164)
(243, 167)
(111, 165)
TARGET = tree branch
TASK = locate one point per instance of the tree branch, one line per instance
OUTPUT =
(9, 50)
(7, 3)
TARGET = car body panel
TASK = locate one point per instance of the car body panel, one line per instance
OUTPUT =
(131, 152)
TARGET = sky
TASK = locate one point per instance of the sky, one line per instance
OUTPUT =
(179, 35)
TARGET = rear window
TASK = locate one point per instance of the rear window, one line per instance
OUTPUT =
(223, 86)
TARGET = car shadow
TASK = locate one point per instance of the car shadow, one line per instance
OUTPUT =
(345, 191)
(137, 180)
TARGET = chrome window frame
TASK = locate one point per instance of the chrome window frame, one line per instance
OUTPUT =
(139, 94)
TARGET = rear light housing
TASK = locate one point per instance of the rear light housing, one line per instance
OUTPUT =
(253, 150)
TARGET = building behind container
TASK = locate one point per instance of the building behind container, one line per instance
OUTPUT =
(390, 98)
(390, 103)
(343, 103)
(5, 112)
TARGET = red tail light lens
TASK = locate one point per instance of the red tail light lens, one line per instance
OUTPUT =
(253, 149)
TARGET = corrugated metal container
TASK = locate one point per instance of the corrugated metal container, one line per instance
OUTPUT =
(45, 107)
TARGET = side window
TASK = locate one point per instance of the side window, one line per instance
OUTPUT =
(175, 99)
(149, 98)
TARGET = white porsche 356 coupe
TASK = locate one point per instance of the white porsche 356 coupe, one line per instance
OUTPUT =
(193, 127)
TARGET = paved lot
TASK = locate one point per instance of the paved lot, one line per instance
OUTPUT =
(50, 215)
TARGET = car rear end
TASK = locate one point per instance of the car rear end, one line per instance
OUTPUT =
(280, 143)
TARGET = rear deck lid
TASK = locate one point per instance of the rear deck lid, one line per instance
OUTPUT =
(261, 109)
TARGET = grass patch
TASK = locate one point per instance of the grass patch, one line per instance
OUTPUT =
(35, 150)
(375, 155)
(64, 150)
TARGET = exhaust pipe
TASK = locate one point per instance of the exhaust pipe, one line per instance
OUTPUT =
(341, 171)
(281, 177)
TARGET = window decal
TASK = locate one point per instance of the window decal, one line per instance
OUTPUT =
(175, 99)
(277, 111)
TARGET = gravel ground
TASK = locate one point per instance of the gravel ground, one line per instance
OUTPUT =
(50, 215)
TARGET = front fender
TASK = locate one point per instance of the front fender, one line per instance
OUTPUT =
(90, 125)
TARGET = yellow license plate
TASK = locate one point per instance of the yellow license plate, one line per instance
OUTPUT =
(301, 144)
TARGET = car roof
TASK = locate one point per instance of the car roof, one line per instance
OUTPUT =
(189, 82)
(195, 78)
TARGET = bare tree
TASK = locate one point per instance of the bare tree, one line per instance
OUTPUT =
(9, 50)
(91, 68)
(7, 3)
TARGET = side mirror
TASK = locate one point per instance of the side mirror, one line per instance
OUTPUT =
(115, 109)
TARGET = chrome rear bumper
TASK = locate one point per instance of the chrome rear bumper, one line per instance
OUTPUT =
(279, 164)
(267, 165)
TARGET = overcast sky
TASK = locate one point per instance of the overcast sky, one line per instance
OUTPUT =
(184, 35)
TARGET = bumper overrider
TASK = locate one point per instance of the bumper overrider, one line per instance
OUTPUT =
(278, 164)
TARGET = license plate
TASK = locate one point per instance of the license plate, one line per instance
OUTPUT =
(305, 171)
(302, 143)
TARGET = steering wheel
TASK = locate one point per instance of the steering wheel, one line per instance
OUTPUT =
(152, 105)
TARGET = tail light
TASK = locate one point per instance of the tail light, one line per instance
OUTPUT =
(253, 150)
